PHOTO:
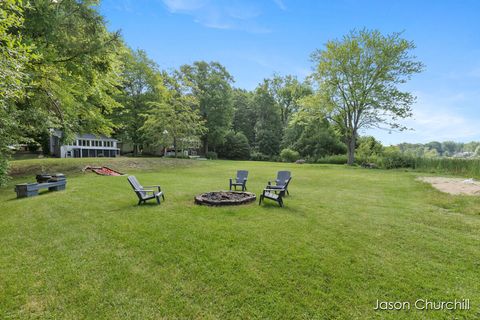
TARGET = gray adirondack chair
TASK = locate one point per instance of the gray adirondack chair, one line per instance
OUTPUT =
(240, 180)
(144, 193)
(282, 181)
(275, 194)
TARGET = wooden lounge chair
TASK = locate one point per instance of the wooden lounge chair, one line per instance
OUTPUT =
(272, 194)
(282, 181)
(240, 180)
(143, 193)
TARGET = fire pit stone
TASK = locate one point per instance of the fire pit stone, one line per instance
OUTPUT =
(224, 198)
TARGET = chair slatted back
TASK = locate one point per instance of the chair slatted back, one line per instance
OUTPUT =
(136, 186)
(241, 175)
(283, 178)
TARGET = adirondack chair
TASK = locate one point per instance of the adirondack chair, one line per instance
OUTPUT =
(282, 181)
(240, 180)
(275, 194)
(143, 193)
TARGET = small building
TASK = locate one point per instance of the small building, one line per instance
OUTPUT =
(84, 146)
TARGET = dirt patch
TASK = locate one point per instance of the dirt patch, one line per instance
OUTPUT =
(456, 186)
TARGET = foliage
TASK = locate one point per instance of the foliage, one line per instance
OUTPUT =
(287, 92)
(461, 167)
(258, 156)
(268, 129)
(368, 149)
(211, 83)
(211, 155)
(289, 155)
(312, 137)
(435, 149)
(174, 119)
(235, 147)
(140, 85)
(15, 55)
(244, 117)
(333, 159)
(358, 79)
(76, 72)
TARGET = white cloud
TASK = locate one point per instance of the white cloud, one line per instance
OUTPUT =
(280, 4)
(235, 15)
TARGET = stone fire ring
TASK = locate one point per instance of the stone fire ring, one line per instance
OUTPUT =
(225, 198)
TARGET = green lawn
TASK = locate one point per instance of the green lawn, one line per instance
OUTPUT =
(347, 237)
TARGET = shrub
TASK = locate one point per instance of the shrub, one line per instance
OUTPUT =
(212, 155)
(335, 159)
(235, 147)
(392, 158)
(258, 156)
(289, 155)
(3, 170)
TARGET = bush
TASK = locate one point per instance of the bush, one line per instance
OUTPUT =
(335, 159)
(3, 169)
(212, 155)
(289, 155)
(392, 158)
(235, 147)
(258, 156)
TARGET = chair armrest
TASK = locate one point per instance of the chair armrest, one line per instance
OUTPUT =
(159, 188)
(274, 189)
(144, 190)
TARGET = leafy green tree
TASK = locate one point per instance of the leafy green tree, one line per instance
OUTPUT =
(451, 147)
(15, 55)
(140, 85)
(211, 83)
(244, 117)
(174, 119)
(358, 79)
(235, 147)
(287, 92)
(435, 145)
(368, 147)
(72, 82)
(313, 138)
(268, 129)
(289, 155)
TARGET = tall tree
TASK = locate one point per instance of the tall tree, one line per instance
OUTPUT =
(71, 83)
(359, 77)
(211, 83)
(268, 129)
(288, 92)
(244, 117)
(14, 57)
(140, 84)
(174, 119)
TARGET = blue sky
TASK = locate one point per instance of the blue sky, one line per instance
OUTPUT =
(255, 39)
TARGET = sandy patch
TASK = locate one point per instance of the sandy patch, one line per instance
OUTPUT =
(457, 186)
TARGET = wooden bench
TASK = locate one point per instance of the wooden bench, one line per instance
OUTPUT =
(273, 194)
(24, 190)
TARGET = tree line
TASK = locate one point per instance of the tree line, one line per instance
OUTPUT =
(61, 68)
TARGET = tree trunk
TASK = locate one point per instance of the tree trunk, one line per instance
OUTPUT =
(351, 150)
(175, 147)
(135, 149)
(205, 146)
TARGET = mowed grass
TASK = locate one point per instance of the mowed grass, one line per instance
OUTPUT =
(347, 237)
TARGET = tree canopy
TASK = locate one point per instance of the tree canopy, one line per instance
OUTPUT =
(359, 80)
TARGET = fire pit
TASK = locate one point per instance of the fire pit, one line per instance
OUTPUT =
(224, 198)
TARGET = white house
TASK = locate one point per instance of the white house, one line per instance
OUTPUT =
(84, 146)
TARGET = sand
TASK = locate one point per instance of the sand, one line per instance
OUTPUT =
(456, 186)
